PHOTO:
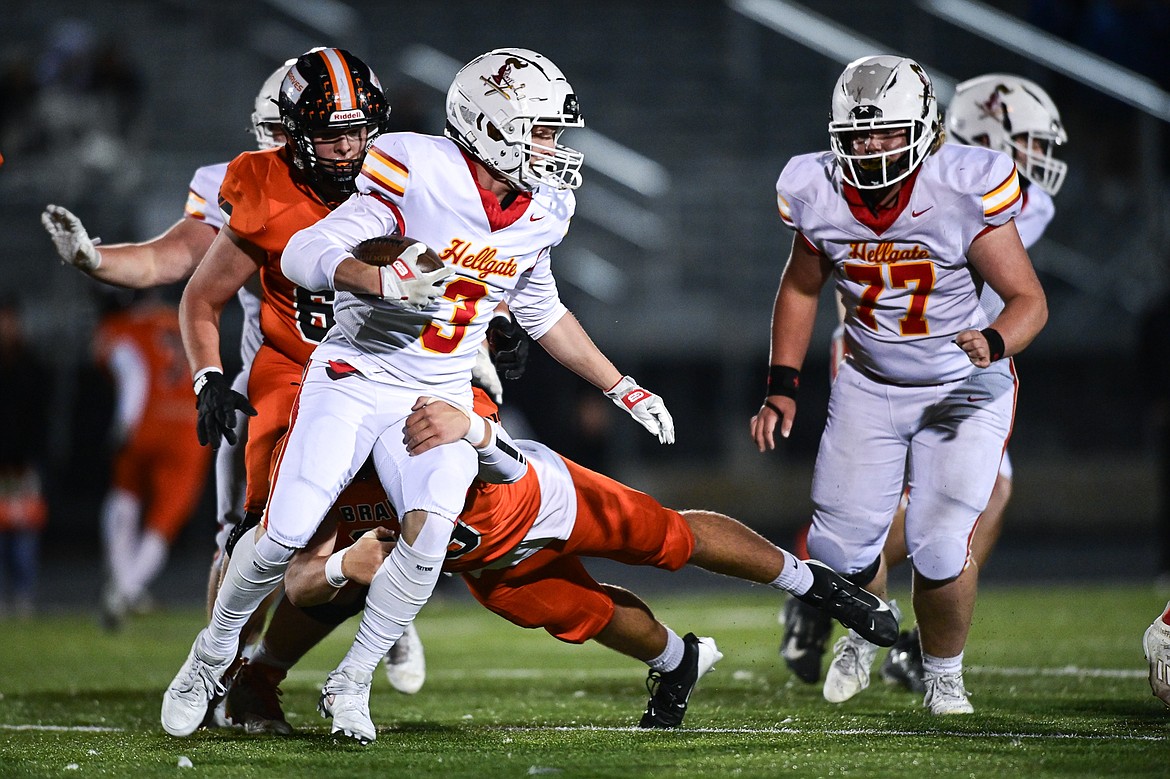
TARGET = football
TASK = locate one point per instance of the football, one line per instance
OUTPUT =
(385, 249)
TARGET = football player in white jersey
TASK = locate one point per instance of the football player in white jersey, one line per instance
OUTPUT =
(171, 257)
(492, 197)
(1017, 117)
(903, 224)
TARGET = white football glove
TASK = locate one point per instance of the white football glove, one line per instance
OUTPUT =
(70, 239)
(403, 282)
(484, 375)
(644, 406)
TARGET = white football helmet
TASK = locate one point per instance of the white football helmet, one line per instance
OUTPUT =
(267, 112)
(492, 106)
(882, 93)
(1013, 115)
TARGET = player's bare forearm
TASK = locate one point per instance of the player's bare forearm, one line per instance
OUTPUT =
(571, 346)
(1000, 258)
(354, 276)
(305, 580)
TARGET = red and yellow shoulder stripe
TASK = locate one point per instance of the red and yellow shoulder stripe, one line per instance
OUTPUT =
(1004, 196)
(385, 171)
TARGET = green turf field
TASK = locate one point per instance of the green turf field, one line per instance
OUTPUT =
(1056, 675)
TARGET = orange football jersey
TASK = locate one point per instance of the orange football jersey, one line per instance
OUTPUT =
(264, 204)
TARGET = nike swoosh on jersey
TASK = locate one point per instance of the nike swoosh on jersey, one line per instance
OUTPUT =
(975, 399)
(535, 218)
(916, 214)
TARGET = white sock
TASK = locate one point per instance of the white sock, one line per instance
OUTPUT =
(120, 535)
(671, 657)
(795, 577)
(398, 590)
(151, 557)
(942, 665)
(257, 566)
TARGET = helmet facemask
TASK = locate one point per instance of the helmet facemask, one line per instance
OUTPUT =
(266, 113)
(880, 95)
(327, 92)
(1035, 152)
(496, 102)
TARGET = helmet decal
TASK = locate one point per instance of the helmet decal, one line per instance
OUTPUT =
(329, 91)
(1015, 116)
(502, 80)
(494, 103)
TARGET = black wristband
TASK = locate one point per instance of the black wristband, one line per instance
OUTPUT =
(994, 343)
(783, 380)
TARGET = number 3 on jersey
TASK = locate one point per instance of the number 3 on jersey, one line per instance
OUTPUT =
(919, 275)
(445, 338)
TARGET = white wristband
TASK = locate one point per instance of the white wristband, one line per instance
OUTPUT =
(201, 377)
(481, 437)
(333, 574)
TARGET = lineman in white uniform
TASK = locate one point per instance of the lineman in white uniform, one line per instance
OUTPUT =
(1016, 116)
(491, 198)
(903, 225)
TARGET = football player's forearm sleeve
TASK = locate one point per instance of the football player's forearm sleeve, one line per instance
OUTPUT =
(312, 255)
(500, 461)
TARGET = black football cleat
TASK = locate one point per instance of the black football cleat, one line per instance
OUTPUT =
(670, 691)
(903, 664)
(806, 631)
(851, 605)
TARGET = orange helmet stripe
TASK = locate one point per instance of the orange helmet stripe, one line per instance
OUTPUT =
(344, 92)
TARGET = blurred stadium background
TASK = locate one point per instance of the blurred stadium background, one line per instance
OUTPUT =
(673, 260)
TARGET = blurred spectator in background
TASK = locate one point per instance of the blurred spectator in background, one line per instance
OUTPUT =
(78, 94)
(24, 393)
(159, 467)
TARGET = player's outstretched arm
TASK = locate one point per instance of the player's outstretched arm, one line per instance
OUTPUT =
(164, 259)
(571, 346)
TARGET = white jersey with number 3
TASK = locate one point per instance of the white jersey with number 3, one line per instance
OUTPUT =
(423, 187)
(906, 284)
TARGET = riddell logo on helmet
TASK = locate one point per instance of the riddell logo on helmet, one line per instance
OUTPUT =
(346, 116)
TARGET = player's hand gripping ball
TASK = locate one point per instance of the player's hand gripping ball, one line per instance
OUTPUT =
(411, 273)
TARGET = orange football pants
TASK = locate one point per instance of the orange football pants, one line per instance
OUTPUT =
(272, 389)
(166, 471)
(552, 590)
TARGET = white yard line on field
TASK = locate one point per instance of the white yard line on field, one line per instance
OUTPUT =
(318, 675)
(849, 732)
(63, 728)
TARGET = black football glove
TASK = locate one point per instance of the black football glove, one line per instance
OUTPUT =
(217, 405)
(508, 345)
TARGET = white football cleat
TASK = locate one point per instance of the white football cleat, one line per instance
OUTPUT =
(346, 698)
(1156, 645)
(406, 663)
(849, 672)
(945, 694)
(198, 682)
